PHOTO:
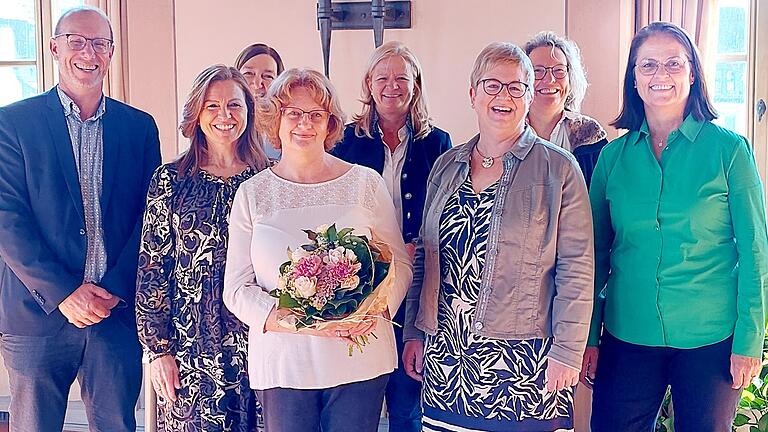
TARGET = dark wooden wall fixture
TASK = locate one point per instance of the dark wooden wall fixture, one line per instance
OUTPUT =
(375, 15)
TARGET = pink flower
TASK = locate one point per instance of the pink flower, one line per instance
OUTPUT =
(343, 269)
(308, 266)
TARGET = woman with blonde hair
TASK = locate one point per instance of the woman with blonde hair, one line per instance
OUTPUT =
(196, 347)
(307, 381)
(498, 313)
(395, 136)
(560, 85)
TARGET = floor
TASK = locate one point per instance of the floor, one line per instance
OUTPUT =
(76, 421)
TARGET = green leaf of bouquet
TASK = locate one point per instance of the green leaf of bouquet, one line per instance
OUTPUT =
(380, 272)
(284, 267)
(286, 301)
(331, 233)
(740, 420)
(343, 233)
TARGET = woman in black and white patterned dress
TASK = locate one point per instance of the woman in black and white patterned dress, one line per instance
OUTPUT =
(196, 347)
(498, 313)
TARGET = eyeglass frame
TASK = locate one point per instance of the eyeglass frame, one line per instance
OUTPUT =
(482, 82)
(307, 113)
(550, 69)
(658, 64)
(91, 40)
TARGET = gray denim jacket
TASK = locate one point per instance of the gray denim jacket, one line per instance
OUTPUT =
(539, 271)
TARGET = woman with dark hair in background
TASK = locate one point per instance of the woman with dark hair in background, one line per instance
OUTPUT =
(260, 64)
(196, 347)
(680, 246)
(395, 136)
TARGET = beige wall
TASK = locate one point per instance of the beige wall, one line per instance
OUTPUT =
(171, 42)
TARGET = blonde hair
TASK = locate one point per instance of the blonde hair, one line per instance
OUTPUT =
(248, 148)
(419, 115)
(497, 53)
(577, 77)
(268, 112)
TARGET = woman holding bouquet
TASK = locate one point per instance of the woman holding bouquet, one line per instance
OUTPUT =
(196, 347)
(395, 136)
(503, 286)
(306, 380)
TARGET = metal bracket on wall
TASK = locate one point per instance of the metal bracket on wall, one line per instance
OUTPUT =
(376, 15)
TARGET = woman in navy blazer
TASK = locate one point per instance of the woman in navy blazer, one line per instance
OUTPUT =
(395, 136)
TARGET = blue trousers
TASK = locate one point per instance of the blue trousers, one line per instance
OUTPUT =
(631, 381)
(403, 393)
(105, 358)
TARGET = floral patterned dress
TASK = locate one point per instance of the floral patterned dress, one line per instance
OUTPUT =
(477, 383)
(179, 307)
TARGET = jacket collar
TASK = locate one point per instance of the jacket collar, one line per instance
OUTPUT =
(519, 150)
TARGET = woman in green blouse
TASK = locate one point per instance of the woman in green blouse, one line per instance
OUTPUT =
(680, 251)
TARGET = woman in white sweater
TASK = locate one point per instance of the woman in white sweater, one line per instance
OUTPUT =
(307, 381)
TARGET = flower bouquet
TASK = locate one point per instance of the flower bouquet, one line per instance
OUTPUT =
(336, 277)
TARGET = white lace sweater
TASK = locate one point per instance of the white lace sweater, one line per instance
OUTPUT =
(268, 215)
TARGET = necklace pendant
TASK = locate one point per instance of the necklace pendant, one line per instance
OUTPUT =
(487, 162)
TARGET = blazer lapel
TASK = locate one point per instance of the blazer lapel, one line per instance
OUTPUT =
(111, 134)
(62, 143)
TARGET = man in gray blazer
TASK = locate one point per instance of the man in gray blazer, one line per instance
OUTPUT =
(74, 169)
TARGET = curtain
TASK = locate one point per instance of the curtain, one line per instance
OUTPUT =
(116, 81)
(695, 16)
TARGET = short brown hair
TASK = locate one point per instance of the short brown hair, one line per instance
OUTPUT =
(249, 148)
(279, 95)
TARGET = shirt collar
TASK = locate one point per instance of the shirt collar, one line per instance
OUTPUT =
(690, 129)
(70, 106)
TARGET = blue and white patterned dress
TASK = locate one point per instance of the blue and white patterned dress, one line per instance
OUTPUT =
(471, 382)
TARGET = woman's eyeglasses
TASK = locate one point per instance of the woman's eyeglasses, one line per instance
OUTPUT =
(492, 87)
(296, 114)
(649, 67)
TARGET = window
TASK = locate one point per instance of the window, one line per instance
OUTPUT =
(26, 65)
(730, 64)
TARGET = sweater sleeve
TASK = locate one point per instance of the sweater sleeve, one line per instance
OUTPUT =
(385, 229)
(243, 295)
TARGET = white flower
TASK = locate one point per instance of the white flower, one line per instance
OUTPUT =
(298, 254)
(281, 283)
(336, 255)
(350, 255)
(305, 287)
(322, 229)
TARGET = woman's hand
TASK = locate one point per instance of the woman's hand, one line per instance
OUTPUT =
(164, 373)
(559, 376)
(413, 359)
(589, 366)
(743, 370)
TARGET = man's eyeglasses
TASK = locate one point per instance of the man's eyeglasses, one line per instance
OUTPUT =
(492, 87)
(77, 42)
(558, 71)
(649, 67)
(296, 114)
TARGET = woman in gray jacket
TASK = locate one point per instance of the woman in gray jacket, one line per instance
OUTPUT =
(499, 309)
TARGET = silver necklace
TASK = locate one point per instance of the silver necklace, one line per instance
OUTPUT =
(487, 160)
